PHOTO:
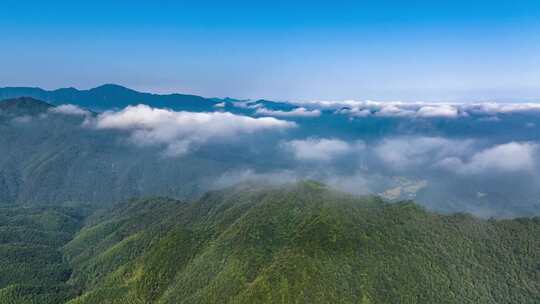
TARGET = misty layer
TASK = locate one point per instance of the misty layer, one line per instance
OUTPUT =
(477, 158)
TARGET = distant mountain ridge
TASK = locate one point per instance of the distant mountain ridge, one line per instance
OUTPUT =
(110, 96)
(113, 96)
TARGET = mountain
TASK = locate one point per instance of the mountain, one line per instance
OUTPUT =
(111, 96)
(302, 243)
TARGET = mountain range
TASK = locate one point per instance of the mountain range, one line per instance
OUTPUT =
(110, 195)
(113, 96)
(109, 96)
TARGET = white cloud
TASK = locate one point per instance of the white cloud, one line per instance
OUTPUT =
(247, 104)
(492, 108)
(391, 110)
(299, 112)
(356, 108)
(447, 111)
(69, 109)
(355, 112)
(509, 157)
(324, 104)
(178, 131)
(405, 152)
(320, 149)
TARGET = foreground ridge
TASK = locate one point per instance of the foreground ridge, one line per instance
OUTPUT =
(303, 243)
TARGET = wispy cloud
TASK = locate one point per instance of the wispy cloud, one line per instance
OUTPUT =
(414, 151)
(69, 109)
(509, 157)
(279, 177)
(447, 111)
(356, 108)
(320, 149)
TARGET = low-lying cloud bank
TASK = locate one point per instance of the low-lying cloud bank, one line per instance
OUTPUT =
(355, 108)
(493, 171)
(509, 157)
(407, 153)
(179, 131)
(298, 112)
(321, 149)
(482, 158)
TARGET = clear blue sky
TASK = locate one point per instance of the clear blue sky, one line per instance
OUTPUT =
(404, 50)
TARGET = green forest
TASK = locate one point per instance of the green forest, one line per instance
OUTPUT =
(303, 243)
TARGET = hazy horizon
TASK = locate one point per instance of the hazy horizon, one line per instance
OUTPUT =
(495, 99)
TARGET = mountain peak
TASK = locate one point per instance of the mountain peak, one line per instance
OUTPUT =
(111, 87)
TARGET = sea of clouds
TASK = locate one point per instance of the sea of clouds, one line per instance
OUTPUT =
(471, 157)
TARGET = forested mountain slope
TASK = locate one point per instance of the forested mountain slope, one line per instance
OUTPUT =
(32, 266)
(301, 244)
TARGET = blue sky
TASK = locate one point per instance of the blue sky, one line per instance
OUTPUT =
(384, 50)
